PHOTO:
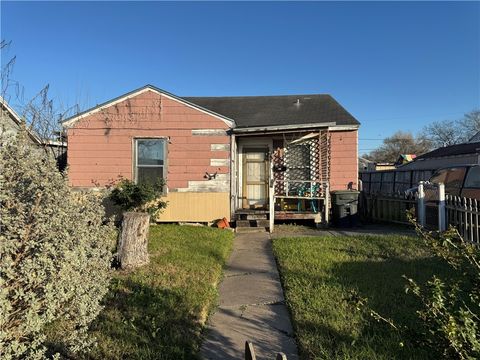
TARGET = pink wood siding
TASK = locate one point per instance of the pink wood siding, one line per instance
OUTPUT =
(100, 146)
(343, 159)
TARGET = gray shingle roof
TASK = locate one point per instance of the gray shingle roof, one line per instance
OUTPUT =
(259, 111)
(452, 150)
(475, 138)
(255, 111)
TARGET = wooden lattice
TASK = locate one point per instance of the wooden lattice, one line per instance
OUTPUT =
(303, 166)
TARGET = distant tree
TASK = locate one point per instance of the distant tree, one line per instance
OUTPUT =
(451, 132)
(444, 133)
(471, 122)
(40, 114)
(399, 143)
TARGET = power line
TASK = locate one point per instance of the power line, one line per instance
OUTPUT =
(396, 138)
(413, 117)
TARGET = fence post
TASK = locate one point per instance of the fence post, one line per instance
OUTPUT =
(421, 204)
(441, 207)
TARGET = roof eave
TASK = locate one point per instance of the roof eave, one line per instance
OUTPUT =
(281, 127)
(73, 119)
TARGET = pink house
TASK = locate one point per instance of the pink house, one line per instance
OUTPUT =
(256, 158)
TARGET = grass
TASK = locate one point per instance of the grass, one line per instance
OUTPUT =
(158, 311)
(319, 275)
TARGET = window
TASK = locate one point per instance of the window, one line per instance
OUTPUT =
(150, 160)
(473, 178)
(455, 178)
(439, 177)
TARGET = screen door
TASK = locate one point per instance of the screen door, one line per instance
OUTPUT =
(255, 178)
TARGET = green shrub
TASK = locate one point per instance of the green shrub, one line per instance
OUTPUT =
(449, 317)
(139, 197)
(451, 307)
(54, 256)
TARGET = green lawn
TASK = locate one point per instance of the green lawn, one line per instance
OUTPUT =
(158, 311)
(320, 273)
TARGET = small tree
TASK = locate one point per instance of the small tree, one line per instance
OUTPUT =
(397, 144)
(54, 255)
(144, 197)
(141, 202)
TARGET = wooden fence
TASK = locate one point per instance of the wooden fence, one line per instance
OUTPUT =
(392, 181)
(387, 208)
(430, 206)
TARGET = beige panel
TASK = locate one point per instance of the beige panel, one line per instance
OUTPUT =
(219, 162)
(220, 147)
(196, 207)
(209, 132)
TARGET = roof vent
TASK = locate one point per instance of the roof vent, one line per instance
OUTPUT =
(297, 104)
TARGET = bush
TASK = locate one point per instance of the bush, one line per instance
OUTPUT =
(451, 307)
(139, 197)
(449, 317)
(55, 257)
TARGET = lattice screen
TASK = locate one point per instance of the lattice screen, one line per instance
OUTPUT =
(300, 161)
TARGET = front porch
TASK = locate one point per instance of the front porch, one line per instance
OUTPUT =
(281, 176)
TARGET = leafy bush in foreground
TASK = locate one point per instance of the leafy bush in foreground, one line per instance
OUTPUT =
(451, 308)
(449, 318)
(54, 256)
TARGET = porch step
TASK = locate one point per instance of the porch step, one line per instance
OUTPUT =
(243, 223)
(254, 216)
(263, 223)
(252, 225)
(251, 220)
(251, 214)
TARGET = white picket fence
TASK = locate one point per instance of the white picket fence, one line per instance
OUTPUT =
(464, 214)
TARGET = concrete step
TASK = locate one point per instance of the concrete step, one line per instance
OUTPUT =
(256, 216)
(243, 223)
(263, 223)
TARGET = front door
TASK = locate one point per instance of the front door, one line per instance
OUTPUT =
(255, 178)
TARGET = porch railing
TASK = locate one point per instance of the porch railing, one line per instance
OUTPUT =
(313, 190)
(300, 189)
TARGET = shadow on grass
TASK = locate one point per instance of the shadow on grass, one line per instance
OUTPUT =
(350, 333)
(142, 322)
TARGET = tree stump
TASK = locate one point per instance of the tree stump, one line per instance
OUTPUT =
(133, 244)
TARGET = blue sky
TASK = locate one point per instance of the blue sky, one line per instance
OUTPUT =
(394, 66)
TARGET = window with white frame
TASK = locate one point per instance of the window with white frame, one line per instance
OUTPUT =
(150, 160)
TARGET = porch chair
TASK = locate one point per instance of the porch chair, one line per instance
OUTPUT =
(303, 190)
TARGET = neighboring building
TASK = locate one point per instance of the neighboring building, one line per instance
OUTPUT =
(220, 156)
(11, 122)
(405, 159)
(460, 154)
(421, 168)
(364, 164)
(380, 166)
(475, 138)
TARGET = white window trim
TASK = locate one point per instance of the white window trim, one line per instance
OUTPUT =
(135, 157)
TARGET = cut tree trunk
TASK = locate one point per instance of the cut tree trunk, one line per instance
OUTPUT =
(133, 244)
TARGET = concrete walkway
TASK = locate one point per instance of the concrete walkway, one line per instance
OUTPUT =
(251, 305)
